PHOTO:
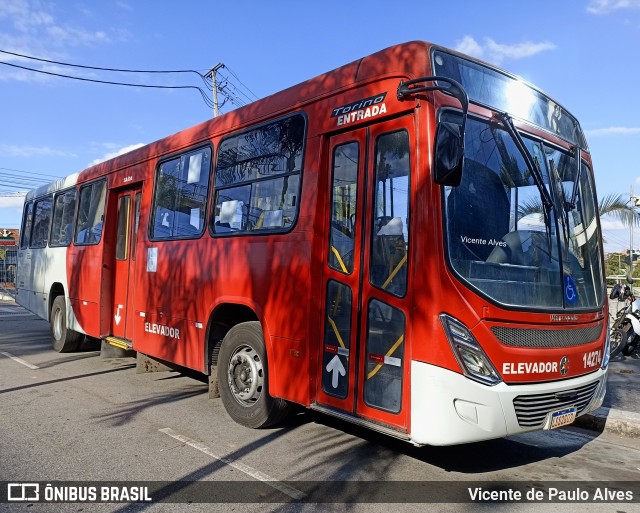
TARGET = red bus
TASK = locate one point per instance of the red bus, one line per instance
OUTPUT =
(410, 242)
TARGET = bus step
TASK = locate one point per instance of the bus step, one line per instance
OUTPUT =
(119, 342)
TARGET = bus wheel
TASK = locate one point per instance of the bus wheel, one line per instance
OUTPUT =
(243, 378)
(63, 339)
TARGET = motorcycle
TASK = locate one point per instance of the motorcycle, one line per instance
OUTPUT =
(625, 331)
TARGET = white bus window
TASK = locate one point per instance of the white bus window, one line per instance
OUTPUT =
(27, 220)
(41, 223)
(64, 206)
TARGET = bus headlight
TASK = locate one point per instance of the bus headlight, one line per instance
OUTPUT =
(607, 348)
(472, 359)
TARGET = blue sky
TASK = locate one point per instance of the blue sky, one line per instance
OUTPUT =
(581, 52)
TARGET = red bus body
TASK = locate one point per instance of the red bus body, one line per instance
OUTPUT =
(175, 299)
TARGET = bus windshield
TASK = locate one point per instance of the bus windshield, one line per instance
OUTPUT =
(499, 240)
(503, 92)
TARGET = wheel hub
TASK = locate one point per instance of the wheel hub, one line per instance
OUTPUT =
(245, 375)
(57, 324)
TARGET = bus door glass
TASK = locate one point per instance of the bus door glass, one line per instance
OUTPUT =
(364, 354)
(128, 205)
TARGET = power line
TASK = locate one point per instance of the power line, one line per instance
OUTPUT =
(24, 177)
(236, 92)
(10, 186)
(230, 91)
(19, 184)
(109, 82)
(101, 68)
(241, 83)
(29, 172)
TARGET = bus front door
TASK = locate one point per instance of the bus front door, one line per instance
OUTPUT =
(365, 355)
(128, 205)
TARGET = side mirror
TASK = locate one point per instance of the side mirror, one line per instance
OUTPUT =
(449, 154)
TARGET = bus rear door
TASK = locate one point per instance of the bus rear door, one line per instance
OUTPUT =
(128, 205)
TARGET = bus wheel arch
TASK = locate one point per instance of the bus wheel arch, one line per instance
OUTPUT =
(223, 317)
(63, 339)
(56, 290)
(243, 378)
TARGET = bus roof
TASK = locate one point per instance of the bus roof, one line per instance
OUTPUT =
(60, 184)
(411, 60)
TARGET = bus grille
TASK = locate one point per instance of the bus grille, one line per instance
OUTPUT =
(532, 410)
(522, 337)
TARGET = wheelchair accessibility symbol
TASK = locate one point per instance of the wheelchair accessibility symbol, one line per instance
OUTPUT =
(570, 290)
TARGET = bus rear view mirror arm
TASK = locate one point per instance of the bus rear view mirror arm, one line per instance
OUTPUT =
(455, 89)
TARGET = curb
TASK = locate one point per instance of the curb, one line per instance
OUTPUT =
(609, 420)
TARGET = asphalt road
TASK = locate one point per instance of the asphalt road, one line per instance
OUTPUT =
(81, 417)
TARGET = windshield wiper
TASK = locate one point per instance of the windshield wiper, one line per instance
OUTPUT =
(536, 173)
(566, 206)
(576, 183)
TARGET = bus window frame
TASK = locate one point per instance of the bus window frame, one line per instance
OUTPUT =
(25, 238)
(410, 206)
(152, 215)
(73, 224)
(215, 189)
(77, 211)
(36, 201)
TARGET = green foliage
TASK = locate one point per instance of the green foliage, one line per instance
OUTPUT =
(616, 206)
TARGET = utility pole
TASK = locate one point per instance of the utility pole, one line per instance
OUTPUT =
(214, 86)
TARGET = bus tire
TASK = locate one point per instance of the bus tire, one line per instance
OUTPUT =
(63, 339)
(243, 378)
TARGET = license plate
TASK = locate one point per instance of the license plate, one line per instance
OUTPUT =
(563, 417)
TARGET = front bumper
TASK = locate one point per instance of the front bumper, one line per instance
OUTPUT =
(448, 408)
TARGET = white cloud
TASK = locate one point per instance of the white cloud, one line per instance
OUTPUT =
(116, 153)
(37, 32)
(124, 6)
(497, 52)
(612, 130)
(74, 36)
(25, 14)
(607, 6)
(31, 18)
(14, 150)
(469, 46)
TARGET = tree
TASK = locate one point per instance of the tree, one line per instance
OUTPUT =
(612, 204)
(622, 209)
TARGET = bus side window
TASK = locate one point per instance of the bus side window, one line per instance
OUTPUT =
(64, 206)
(27, 220)
(41, 223)
(91, 213)
(257, 178)
(180, 196)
